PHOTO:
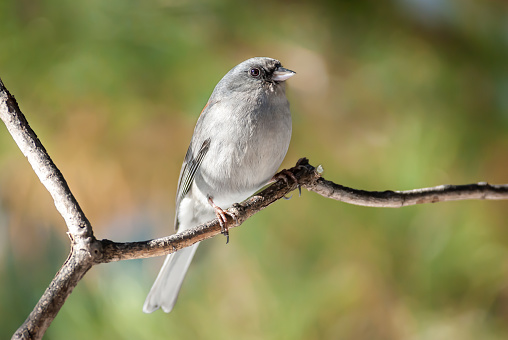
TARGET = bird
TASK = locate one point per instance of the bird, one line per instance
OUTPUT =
(240, 140)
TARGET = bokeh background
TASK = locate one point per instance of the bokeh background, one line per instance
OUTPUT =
(397, 95)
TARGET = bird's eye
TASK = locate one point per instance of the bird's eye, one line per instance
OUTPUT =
(255, 72)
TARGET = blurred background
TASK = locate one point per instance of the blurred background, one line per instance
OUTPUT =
(396, 95)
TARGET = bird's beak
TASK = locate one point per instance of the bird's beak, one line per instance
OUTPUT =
(282, 74)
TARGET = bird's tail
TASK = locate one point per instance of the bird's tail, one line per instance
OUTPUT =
(165, 289)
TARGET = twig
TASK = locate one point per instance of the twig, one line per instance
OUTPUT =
(397, 199)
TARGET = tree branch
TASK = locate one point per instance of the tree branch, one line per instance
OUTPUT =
(83, 243)
(87, 251)
(397, 199)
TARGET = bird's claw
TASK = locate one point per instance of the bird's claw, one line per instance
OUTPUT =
(221, 216)
(284, 174)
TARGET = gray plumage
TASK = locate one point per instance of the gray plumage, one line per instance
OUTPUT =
(239, 142)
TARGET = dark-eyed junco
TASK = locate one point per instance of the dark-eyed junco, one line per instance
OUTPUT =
(239, 142)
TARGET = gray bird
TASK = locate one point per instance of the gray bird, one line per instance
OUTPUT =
(239, 142)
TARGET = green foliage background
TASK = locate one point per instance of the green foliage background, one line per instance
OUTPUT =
(394, 95)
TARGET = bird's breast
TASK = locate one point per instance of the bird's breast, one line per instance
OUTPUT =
(245, 152)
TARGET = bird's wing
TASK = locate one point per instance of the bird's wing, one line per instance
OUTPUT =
(190, 165)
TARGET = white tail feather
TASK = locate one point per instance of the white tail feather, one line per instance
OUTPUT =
(165, 289)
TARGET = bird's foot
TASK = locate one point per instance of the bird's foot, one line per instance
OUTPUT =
(286, 174)
(221, 216)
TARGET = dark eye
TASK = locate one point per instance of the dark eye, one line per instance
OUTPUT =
(255, 72)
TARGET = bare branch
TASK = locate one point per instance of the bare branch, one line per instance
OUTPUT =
(83, 243)
(42, 164)
(113, 251)
(397, 199)
(87, 251)
(53, 298)
(308, 177)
